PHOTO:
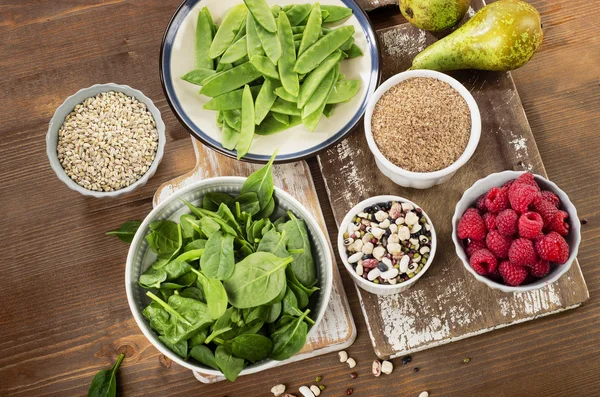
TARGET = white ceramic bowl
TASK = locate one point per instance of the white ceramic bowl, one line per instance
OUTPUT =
(67, 107)
(498, 179)
(140, 257)
(381, 289)
(422, 180)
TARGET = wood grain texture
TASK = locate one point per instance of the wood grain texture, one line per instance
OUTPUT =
(64, 313)
(447, 304)
(336, 331)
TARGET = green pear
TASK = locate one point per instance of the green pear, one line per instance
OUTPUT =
(501, 36)
(434, 15)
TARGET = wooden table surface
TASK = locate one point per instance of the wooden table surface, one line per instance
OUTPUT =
(63, 312)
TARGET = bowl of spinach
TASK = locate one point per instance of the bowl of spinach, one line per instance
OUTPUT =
(229, 275)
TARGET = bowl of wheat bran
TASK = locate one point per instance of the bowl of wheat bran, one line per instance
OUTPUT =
(422, 126)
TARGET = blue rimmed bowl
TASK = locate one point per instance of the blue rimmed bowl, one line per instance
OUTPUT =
(177, 58)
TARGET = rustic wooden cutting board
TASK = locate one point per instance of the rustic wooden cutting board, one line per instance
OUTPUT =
(337, 330)
(447, 304)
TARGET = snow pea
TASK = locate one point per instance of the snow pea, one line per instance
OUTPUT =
(270, 43)
(248, 126)
(314, 78)
(298, 13)
(354, 52)
(198, 76)
(285, 107)
(336, 13)
(230, 100)
(325, 46)
(289, 78)
(231, 80)
(227, 31)
(282, 118)
(265, 66)
(319, 97)
(271, 125)
(298, 29)
(265, 99)
(343, 91)
(204, 38)
(328, 110)
(233, 118)
(231, 136)
(312, 120)
(222, 67)
(347, 45)
(283, 94)
(262, 14)
(241, 61)
(236, 51)
(313, 29)
(252, 39)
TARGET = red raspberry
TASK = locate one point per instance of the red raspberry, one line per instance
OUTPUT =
(521, 195)
(509, 183)
(545, 208)
(498, 244)
(474, 246)
(522, 253)
(496, 276)
(490, 221)
(512, 274)
(549, 196)
(497, 200)
(530, 225)
(553, 247)
(540, 268)
(558, 224)
(471, 225)
(506, 222)
(483, 262)
(528, 179)
(480, 204)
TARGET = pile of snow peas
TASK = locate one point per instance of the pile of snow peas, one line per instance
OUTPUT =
(268, 69)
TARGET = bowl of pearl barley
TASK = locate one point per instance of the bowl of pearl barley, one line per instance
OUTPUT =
(106, 140)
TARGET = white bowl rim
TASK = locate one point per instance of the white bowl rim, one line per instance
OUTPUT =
(475, 124)
(57, 121)
(566, 203)
(344, 256)
(139, 235)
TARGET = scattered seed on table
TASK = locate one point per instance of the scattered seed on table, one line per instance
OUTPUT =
(406, 360)
(351, 363)
(387, 367)
(416, 369)
(315, 390)
(306, 392)
(349, 391)
(322, 387)
(343, 356)
(278, 390)
(424, 394)
(318, 379)
(584, 221)
(354, 375)
(107, 142)
(466, 360)
(376, 368)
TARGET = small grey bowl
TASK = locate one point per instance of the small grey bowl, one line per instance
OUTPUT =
(140, 257)
(67, 107)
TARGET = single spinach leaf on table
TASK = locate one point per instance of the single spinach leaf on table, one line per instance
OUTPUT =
(256, 280)
(204, 355)
(126, 231)
(104, 383)
(252, 347)
(218, 260)
(289, 337)
(297, 239)
(227, 363)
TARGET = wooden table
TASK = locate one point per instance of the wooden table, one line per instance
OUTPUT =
(63, 312)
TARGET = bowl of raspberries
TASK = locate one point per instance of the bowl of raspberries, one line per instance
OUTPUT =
(516, 231)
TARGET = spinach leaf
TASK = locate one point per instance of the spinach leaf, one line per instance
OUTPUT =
(248, 203)
(206, 214)
(152, 278)
(290, 303)
(188, 229)
(274, 312)
(225, 213)
(218, 260)
(212, 200)
(268, 210)
(252, 347)
(290, 337)
(104, 383)
(126, 232)
(165, 237)
(274, 242)
(215, 294)
(190, 256)
(195, 245)
(180, 348)
(198, 338)
(256, 280)
(301, 297)
(227, 363)
(193, 293)
(204, 355)
(208, 226)
(297, 239)
(261, 183)
(291, 279)
(255, 314)
(175, 269)
(158, 317)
